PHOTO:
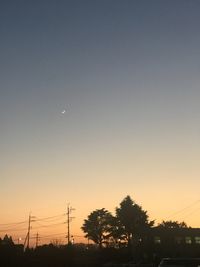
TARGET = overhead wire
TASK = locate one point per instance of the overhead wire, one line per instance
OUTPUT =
(14, 223)
(50, 225)
(192, 212)
(49, 221)
(184, 209)
(16, 226)
(52, 235)
(12, 229)
(37, 223)
(48, 218)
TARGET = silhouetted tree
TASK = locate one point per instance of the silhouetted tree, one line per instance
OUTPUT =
(98, 226)
(132, 220)
(172, 224)
(117, 235)
(7, 240)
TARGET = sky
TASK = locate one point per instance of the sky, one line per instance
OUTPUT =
(126, 75)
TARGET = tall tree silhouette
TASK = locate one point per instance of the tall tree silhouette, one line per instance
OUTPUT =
(98, 226)
(133, 220)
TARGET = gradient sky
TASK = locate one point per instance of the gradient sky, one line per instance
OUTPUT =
(127, 74)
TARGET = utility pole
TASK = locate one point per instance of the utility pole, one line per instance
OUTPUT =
(69, 218)
(37, 240)
(27, 239)
(29, 229)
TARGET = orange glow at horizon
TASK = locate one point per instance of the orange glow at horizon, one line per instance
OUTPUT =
(52, 227)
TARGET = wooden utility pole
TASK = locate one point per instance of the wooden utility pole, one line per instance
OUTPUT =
(37, 240)
(27, 239)
(69, 218)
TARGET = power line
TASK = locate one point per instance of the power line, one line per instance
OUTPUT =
(35, 219)
(38, 224)
(47, 218)
(16, 223)
(12, 229)
(50, 220)
(183, 209)
(50, 225)
(191, 213)
(50, 235)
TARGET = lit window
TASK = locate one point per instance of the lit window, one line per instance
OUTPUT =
(197, 239)
(157, 240)
(188, 240)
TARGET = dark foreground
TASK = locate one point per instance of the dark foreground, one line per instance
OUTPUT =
(84, 256)
(52, 256)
